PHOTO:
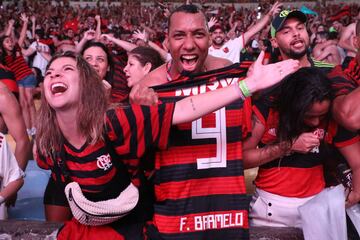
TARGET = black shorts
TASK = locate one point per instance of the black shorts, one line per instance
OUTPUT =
(55, 194)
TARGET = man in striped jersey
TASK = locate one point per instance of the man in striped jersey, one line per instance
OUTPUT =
(199, 181)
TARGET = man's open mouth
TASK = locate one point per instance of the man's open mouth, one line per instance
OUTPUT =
(189, 60)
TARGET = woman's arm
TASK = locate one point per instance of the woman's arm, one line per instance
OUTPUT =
(98, 28)
(33, 26)
(127, 46)
(254, 156)
(22, 37)
(275, 9)
(9, 28)
(145, 37)
(88, 36)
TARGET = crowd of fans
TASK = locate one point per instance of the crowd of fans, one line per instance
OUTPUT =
(128, 43)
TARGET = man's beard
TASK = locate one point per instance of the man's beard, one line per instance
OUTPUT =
(295, 55)
(215, 43)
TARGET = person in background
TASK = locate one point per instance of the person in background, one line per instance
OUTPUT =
(12, 57)
(141, 61)
(98, 56)
(294, 134)
(231, 49)
(11, 176)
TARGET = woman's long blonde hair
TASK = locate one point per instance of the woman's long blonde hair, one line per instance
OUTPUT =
(90, 118)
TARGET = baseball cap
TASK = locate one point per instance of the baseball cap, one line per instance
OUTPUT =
(217, 26)
(279, 20)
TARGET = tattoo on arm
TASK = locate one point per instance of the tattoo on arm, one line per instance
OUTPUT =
(192, 104)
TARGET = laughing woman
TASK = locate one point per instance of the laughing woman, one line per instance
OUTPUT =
(93, 147)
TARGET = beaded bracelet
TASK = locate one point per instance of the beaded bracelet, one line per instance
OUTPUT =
(244, 88)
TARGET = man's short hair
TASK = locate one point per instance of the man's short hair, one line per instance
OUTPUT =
(186, 8)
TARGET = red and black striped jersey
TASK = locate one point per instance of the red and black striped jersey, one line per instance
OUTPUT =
(296, 175)
(344, 81)
(344, 85)
(199, 181)
(18, 65)
(353, 70)
(119, 90)
(131, 131)
(8, 78)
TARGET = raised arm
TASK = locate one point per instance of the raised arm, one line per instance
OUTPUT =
(25, 20)
(124, 44)
(9, 31)
(231, 19)
(212, 22)
(260, 77)
(145, 37)
(88, 36)
(275, 9)
(98, 27)
(33, 26)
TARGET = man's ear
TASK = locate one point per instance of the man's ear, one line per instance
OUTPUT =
(210, 41)
(166, 43)
(274, 43)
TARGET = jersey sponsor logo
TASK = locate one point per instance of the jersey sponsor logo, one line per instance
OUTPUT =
(104, 162)
(226, 50)
(206, 87)
(211, 221)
